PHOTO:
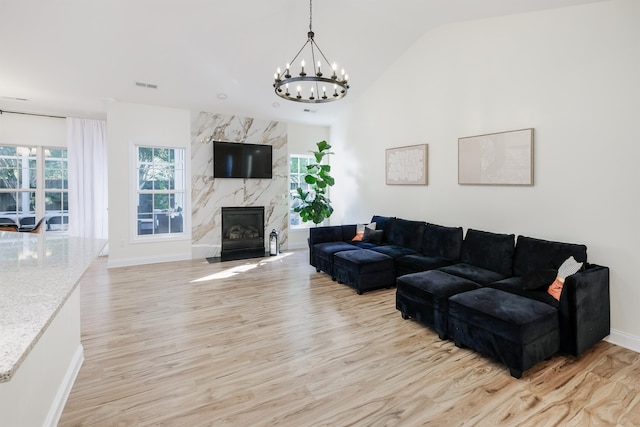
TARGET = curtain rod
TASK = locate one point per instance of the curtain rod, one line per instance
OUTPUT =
(31, 114)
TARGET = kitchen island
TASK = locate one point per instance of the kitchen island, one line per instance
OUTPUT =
(40, 348)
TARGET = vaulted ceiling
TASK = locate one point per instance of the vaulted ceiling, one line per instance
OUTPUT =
(73, 57)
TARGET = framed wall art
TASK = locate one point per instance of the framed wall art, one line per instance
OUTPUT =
(503, 158)
(407, 165)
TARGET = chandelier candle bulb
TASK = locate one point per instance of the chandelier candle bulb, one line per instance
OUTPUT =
(286, 71)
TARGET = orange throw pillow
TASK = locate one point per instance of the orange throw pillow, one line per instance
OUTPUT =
(555, 289)
(360, 231)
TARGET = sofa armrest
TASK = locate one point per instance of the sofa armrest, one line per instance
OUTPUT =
(331, 233)
(585, 316)
(324, 234)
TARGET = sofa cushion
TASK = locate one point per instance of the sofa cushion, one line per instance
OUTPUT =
(426, 284)
(365, 245)
(348, 231)
(372, 236)
(519, 320)
(424, 296)
(489, 251)
(477, 274)
(513, 285)
(382, 223)
(364, 270)
(537, 254)
(517, 331)
(443, 242)
(360, 229)
(539, 279)
(364, 261)
(322, 256)
(415, 263)
(394, 251)
(328, 249)
(406, 233)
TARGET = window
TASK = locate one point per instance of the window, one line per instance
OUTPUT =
(56, 188)
(161, 190)
(297, 170)
(31, 187)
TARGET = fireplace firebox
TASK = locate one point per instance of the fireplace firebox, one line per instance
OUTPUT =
(242, 232)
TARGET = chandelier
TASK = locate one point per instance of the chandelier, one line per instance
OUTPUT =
(314, 87)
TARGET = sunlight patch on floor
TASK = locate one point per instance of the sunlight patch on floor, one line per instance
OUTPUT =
(238, 269)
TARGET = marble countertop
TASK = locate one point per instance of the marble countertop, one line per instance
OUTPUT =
(38, 272)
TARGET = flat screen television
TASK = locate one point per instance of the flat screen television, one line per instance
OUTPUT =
(237, 160)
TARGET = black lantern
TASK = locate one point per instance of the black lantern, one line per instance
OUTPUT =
(274, 248)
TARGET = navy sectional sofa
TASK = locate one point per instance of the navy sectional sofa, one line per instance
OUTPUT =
(486, 291)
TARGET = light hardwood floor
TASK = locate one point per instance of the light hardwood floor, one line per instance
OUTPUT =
(271, 342)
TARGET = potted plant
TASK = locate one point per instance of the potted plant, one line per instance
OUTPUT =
(314, 205)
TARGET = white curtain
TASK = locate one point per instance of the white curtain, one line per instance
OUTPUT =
(88, 201)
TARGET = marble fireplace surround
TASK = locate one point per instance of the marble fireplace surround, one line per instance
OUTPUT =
(209, 195)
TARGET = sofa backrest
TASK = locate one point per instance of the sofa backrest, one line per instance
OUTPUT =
(383, 223)
(406, 233)
(441, 241)
(537, 254)
(491, 251)
(348, 232)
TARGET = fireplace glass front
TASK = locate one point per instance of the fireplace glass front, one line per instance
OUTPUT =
(242, 232)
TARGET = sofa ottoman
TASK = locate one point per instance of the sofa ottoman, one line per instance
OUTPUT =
(424, 296)
(364, 269)
(515, 330)
(324, 255)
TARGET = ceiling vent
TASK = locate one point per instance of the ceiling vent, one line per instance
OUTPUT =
(147, 85)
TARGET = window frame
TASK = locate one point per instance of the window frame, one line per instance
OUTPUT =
(185, 211)
(40, 189)
(301, 174)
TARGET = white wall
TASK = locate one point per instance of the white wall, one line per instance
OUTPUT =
(302, 139)
(128, 125)
(572, 75)
(32, 130)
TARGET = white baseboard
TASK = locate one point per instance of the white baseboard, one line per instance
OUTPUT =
(150, 260)
(57, 406)
(625, 340)
(298, 245)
